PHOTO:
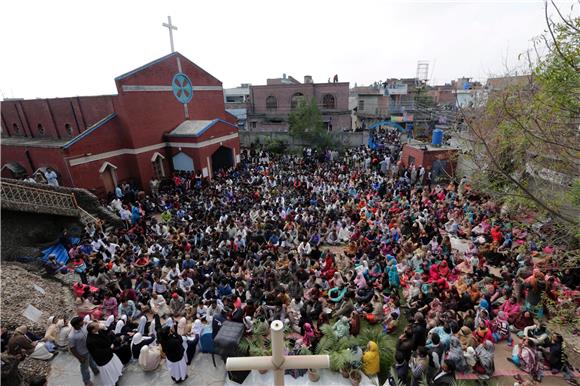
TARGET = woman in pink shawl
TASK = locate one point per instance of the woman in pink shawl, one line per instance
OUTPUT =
(308, 335)
(360, 280)
(511, 308)
(443, 269)
(434, 273)
(110, 306)
(436, 306)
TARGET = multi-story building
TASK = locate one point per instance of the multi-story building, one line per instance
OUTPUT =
(236, 101)
(392, 100)
(271, 104)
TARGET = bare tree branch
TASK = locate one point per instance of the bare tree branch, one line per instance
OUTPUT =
(564, 20)
(556, 45)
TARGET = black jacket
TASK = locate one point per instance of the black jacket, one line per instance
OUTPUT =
(419, 334)
(445, 380)
(99, 346)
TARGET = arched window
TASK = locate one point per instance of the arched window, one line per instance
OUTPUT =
(69, 129)
(296, 100)
(40, 129)
(158, 169)
(271, 103)
(328, 102)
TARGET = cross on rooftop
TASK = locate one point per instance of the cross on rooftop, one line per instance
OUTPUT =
(170, 27)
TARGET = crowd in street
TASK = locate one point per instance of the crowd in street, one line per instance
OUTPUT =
(323, 239)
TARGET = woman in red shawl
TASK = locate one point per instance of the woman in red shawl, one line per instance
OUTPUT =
(434, 273)
(443, 269)
(496, 235)
(329, 268)
(483, 333)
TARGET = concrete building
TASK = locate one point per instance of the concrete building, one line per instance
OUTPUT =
(168, 115)
(392, 100)
(236, 101)
(271, 104)
(467, 92)
(441, 161)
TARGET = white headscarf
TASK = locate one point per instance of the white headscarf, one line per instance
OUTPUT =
(137, 338)
(248, 323)
(109, 321)
(119, 326)
(197, 327)
(181, 325)
(141, 326)
(50, 320)
(152, 331)
(87, 319)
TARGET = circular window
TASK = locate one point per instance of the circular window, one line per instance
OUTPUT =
(40, 129)
(182, 88)
(15, 128)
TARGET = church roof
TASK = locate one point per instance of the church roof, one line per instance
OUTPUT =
(159, 60)
(89, 130)
(145, 66)
(195, 128)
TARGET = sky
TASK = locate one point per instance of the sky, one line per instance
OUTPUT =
(69, 48)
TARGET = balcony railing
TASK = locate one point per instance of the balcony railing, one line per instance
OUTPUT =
(31, 199)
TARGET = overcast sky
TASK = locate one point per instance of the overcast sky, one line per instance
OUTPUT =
(68, 48)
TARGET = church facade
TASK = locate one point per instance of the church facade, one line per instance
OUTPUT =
(167, 115)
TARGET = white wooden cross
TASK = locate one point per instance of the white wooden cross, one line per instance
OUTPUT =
(170, 27)
(278, 361)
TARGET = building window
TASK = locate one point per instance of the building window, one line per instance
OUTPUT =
(158, 168)
(271, 103)
(296, 100)
(411, 160)
(253, 125)
(69, 129)
(361, 104)
(15, 129)
(328, 102)
(40, 129)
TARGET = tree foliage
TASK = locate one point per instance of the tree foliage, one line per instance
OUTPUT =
(306, 124)
(526, 136)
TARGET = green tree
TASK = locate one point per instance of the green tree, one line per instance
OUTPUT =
(306, 124)
(525, 136)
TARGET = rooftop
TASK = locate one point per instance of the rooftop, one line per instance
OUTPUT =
(34, 142)
(428, 147)
(195, 128)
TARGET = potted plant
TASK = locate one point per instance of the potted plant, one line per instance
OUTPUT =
(314, 375)
(355, 377)
(341, 361)
(257, 344)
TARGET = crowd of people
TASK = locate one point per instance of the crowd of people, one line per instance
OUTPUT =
(323, 239)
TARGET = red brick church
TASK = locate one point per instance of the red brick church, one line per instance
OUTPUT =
(168, 115)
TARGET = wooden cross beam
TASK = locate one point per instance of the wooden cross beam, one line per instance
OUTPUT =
(278, 361)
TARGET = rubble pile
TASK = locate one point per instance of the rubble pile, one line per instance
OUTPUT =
(19, 291)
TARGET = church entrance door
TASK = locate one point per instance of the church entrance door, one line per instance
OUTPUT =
(222, 158)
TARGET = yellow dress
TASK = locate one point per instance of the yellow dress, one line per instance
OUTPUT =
(371, 360)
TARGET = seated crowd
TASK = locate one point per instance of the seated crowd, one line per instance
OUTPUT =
(312, 241)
